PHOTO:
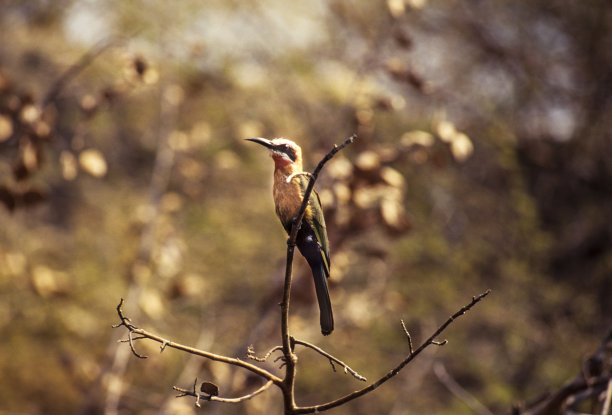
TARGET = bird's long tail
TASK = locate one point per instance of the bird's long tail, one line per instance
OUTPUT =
(325, 308)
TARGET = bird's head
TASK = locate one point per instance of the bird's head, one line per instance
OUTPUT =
(284, 152)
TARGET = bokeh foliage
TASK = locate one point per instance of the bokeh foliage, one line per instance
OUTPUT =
(483, 162)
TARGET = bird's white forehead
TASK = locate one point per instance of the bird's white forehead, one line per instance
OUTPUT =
(278, 141)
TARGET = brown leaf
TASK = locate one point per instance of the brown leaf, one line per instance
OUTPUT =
(20, 171)
(403, 74)
(140, 65)
(32, 197)
(402, 39)
(6, 128)
(92, 161)
(7, 197)
(209, 388)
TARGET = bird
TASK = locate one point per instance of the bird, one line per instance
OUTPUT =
(290, 183)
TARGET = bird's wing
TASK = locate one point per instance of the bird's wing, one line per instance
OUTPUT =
(316, 220)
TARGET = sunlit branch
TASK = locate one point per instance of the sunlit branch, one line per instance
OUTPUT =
(124, 321)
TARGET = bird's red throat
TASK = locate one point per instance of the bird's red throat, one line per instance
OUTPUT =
(280, 162)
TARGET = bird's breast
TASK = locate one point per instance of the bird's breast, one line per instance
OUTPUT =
(287, 198)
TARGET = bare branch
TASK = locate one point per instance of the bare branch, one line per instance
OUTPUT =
(251, 353)
(219, 358)
(331, 358)
(199, 396)
(407, 336)
(393, 372)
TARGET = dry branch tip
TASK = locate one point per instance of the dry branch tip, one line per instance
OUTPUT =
(407, 333)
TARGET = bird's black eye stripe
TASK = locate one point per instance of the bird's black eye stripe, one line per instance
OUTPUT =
(290, 152)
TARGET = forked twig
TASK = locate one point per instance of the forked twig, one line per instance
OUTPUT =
(393, 372)
(251, 353)
(124, 321)
(407, 333)
(199, 395)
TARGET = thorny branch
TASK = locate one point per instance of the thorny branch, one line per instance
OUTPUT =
(288, 357)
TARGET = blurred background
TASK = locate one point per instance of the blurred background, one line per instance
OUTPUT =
(483, 161)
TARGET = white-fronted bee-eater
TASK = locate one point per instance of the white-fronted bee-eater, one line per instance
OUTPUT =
(312, 236)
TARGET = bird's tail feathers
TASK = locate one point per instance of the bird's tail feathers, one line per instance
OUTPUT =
(327, 318)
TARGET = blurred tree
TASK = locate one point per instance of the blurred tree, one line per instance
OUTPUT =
(482, 162)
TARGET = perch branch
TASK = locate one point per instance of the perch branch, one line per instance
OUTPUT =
(124, 321)
(289, 358)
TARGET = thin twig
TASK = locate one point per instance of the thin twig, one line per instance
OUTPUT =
(219, 358)
(251, 353)
(331, 358)
(393, 372)
(407, 333)
(193, 392)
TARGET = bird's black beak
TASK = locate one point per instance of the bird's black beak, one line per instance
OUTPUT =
(263, 141)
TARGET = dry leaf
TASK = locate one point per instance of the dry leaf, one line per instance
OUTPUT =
(462, 147)
(92, 162)
(30, 113)
(69, 165)
(392, 177)
(422, 138)
(6, 128)
(447, 131)
(209, 388)
(151, 303)
(48, 282)
(396, 7)
(368, 160)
